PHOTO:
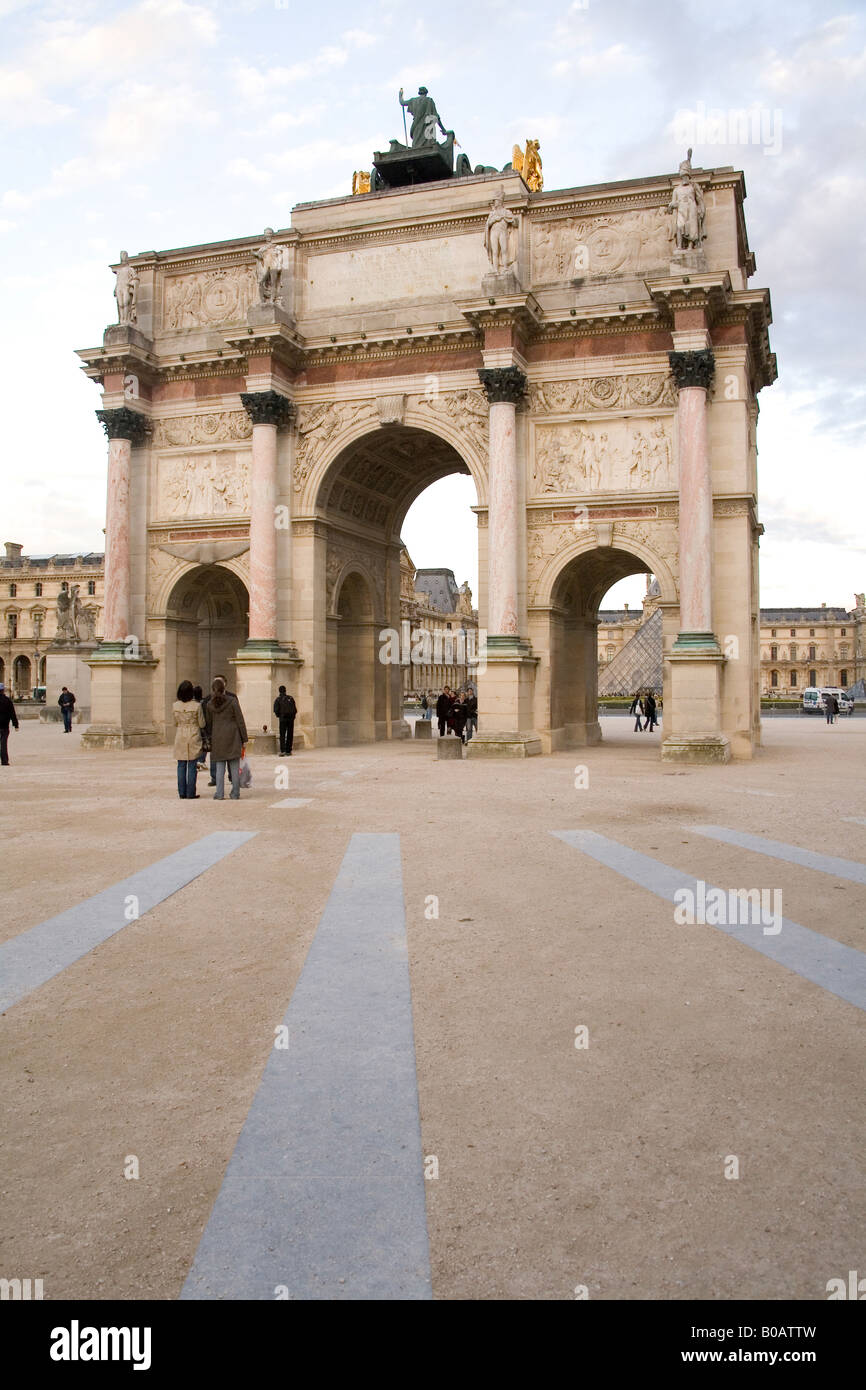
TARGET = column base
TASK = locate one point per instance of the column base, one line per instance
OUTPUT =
(121, 699)
(703, 643)
(262, 666)
(696, 748)
(504, 745)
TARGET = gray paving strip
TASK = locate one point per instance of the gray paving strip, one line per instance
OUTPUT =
(839, 969)
(324, 1193)
(777, 849)
(855, 820)
(37, 955)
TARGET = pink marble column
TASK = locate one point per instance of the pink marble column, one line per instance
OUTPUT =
(504, 387)
(267, 410)
(124, 428)
(693, 373)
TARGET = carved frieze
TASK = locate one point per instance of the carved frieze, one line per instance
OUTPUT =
(318, 425)
(204, 485)
(620, 392)
(219, 427)
(468, 410)
(618, 456)
(208, 299)
(615, 244)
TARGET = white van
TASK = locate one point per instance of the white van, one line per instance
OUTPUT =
(846, 704)
(813, 699)
(812, 702)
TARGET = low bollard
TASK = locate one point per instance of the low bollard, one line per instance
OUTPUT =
(423, 728)
(449, 748)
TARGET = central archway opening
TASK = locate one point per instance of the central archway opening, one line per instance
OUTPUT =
(393, 621)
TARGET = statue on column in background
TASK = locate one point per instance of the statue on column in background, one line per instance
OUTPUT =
(126, 290)
(497, 235)
(688, 212)
(68, 613)
(425, 118)
(271, 261)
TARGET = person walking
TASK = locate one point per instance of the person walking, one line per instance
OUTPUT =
(471, 703)
(285, 709)
(649, 706)
(227, 734)
(66, 702)
(428, 708)
(7, 717)
(443, 709)
(831, 706)
(189, 722)
(636, 709)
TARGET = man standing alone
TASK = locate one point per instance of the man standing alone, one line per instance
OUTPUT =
(7, 717)
(285, 710)
(443, 709)
(67, 707)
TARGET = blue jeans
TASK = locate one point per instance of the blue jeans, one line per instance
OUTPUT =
(67, 719)
(186, 771)
(234, 767)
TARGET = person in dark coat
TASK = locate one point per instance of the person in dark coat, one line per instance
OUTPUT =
(7, 717)
(831, 706)
(471, 704)
(443, 709)
(227, 734)
(649, 706)
(636, 708)
(285, 710)
(457, 719)
(66, 702)
(204, 705)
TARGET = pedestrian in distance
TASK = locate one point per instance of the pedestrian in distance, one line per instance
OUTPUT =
(428, 707)
(227, 734)
(7, 717)
(189, 723)
(197, 695)
(471, 703)
(285, 710)
(457, 720)
(66, 702)
(637, 710)
(831, 707)
(649, 706)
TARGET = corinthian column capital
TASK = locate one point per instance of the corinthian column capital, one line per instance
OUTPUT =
(267, 407)
(124, 424)
(692, 368)
(503, 384)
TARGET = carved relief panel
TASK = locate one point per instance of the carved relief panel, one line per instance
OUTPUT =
(614, 244)
(203, 485)
(613, 455)
(207, 299)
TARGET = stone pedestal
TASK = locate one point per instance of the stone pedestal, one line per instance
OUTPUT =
(261, 667)
(692, 713)
(449, 749)
(121, 699)
(67, 663)
(684, 261)
(505, 702)
(424, 728)
(501, 282)
(261, 315)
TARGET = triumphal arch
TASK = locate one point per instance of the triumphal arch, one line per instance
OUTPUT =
(591, 356)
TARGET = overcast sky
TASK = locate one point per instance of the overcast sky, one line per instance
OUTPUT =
(163, 123)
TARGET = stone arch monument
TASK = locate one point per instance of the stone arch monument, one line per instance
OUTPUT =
(597, 378)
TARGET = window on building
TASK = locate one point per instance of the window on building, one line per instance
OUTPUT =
(792, 651)
(38, 588)
(611, 653)
(844, 632)
(13, 590)
(774, 678)
(793, 632)
(843, 676)
(774, 653)
(91, 586)
(843, 651)
(813, 677)
(811, 632)
(813, 653)
(793, 677)
(12, 623)
(772, 632)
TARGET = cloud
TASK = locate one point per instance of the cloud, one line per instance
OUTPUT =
(245, 169)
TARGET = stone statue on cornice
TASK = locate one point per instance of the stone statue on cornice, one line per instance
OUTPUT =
(688, 212)
(425, 118)
(271, 261)
(497, 235)
(126, 290)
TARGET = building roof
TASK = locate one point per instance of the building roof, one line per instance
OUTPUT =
(441, 588)
(804, 615)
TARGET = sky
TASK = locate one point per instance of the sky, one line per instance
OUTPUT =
(163, 123)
